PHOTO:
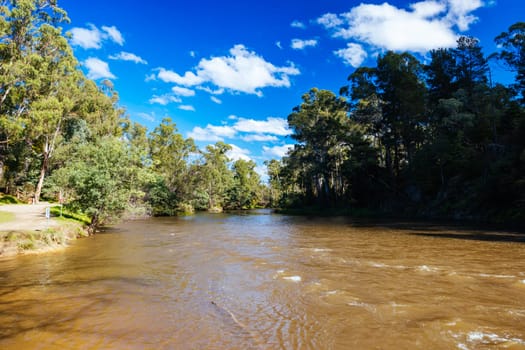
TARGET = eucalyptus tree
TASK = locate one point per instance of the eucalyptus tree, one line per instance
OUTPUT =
(512, 53)
(275, 183)
(321, 126)
(246, 191)
(389, 100)
(170, 155)
(37, 75)
(216, 178)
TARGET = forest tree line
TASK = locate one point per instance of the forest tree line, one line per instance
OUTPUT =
(435, 139)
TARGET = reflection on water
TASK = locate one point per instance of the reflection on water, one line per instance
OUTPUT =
(269, 282)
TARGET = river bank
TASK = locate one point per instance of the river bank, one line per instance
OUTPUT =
(25, 229)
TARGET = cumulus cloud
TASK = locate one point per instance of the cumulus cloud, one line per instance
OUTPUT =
(212, 133)
(188, 108)
(211, 91)
(114, 34)
(298, 24)
(216, 100)
(277, 151)
(237, 153)
(92, 37)
(425, 25)
(164, 100)
(188, 79)
(182, 91)
(87, 38)
(150, 77)
(298, 44)
(97, 69)
(259, 138)
(330, 20)
(250, 130)
(242, 71)
(147, 116)
(127, 56)
(352, 55)
(272, 126)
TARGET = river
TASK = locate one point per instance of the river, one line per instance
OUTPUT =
(265, 281)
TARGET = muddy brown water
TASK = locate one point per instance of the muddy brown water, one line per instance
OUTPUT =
(265, 281)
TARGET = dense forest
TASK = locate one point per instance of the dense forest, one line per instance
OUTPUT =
(404, 137)
(436, 139)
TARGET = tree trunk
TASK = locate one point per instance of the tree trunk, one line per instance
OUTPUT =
(48, 150)
(40, 184)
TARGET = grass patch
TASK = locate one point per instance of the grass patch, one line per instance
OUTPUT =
(70, 215)
(8, 199)
(6, 217)
(26, 241)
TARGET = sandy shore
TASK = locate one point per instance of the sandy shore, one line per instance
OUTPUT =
(32, 218)
(28, 217)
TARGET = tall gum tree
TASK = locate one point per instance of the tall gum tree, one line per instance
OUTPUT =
(36, 59)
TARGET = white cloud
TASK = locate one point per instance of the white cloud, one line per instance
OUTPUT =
(298, 44)
(127, 56)
(211, 91)
(164, 100)
(114, 34)
(92, 37)
(97, 69)
(298, 24)
(182, 91)
(428, 9)
(146, 116)
(150, 77)
(263, 172)
(460, 12)
(86, 38)
(237, 153)
(272, 126)
(242, 71)
(189, 108)
(259, 138)
(211, 133)
(425, 25)
(353, 55)
(277, 151)
(216, 100)
(279, 45)
(189, 78)
(224, 130)
(330, 20)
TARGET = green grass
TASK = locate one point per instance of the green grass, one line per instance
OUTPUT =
(6, 217)
(69, 215)
(7, 199)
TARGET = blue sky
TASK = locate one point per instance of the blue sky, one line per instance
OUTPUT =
(233, 70)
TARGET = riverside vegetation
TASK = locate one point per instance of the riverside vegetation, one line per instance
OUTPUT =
(403, 137)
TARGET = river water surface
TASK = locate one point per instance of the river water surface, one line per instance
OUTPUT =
(265, 281)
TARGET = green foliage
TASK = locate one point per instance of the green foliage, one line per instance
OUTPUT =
(435, 140)
(66, 213)
(101, 180)
(246, 192)
(7, 199)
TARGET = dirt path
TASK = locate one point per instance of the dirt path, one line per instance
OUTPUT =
(28, 217)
